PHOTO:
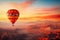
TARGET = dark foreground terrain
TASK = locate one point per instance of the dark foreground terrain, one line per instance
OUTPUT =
(14, 35)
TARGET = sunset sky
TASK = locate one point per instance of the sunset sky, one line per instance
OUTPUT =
(38, 19)
(31, 9)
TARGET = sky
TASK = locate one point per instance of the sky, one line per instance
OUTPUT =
(31, 10)
(51, 2)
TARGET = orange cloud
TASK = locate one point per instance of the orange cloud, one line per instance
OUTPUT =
(27, 3)
(52, 17)
(23, 4)
(52, 10)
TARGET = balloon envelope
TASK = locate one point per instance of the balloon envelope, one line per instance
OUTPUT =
(13, 15)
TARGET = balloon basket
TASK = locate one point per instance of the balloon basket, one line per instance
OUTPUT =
(12, 24)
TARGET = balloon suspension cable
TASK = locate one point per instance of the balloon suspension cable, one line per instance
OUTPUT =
(12, 24)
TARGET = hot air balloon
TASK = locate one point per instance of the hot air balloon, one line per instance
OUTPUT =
(13, 15)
